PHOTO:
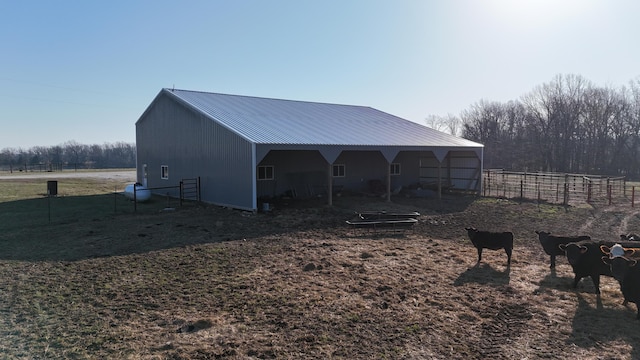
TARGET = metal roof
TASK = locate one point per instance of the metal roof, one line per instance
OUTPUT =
(276, 121)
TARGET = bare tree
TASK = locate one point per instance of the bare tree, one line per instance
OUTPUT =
(486, 123)
(73, 150)
(450, 124)
(50, 158)
(554, 120)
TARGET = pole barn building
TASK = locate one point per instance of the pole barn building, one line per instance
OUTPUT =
(245, 149)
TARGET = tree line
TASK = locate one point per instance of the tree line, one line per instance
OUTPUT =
(566, 125)
(70, 155)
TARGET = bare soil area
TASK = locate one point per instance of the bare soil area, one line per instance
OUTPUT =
(204, 282)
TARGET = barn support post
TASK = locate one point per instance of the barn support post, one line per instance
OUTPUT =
(388, 182)
(330, 186)
(439, 180)
(449, 182)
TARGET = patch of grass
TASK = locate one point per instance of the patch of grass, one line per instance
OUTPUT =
(20, 189)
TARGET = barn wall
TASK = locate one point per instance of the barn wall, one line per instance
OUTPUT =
(460, 170)
(299, 172)
(363, 167)
(409, 169)
(192, 145)
(304, 172)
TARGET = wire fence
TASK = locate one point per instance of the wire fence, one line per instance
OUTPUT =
(63, 207)
(558, 188)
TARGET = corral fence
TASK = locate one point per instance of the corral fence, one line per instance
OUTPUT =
(557, 188)
(188, 190)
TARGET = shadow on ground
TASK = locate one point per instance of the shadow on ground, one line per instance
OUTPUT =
(84, 227)
(594, 325)
(484, 274)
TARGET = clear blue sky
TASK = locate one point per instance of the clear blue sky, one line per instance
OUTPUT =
(86, 70)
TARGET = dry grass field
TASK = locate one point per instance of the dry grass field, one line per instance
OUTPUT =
(204, 282)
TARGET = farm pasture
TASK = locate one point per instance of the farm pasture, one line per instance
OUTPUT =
(209, 282)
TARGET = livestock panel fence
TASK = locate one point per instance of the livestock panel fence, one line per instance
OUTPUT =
(557, 188)
(187, 190)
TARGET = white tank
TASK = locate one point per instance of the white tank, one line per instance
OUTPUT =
(142, 193)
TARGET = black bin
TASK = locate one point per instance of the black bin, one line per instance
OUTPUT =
(52, 187)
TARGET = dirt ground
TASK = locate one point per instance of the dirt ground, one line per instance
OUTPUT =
(204, 282)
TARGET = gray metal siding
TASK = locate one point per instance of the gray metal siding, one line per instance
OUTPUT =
(466, 170)
(364, 166)
(409, 169)
(460, 169)
(303, 172)
(192, 145)
(360, 168)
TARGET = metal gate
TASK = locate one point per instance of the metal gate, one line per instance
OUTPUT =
(190, 189)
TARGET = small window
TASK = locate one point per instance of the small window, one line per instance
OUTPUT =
(265, 172)
(395, 169)
(338, 170)
(164, 172)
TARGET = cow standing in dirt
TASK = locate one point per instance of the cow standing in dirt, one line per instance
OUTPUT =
(551, 244)
(624, 268)
(585, 257)
(491, 240)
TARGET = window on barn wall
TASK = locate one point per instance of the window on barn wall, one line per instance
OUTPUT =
(164, 172)
(338, 170)
(395, 169)
(265, 172)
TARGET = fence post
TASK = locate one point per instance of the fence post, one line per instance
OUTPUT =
(633, 195)
(609, 192)
(538, 195)
(589, 192)
(521, 189)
